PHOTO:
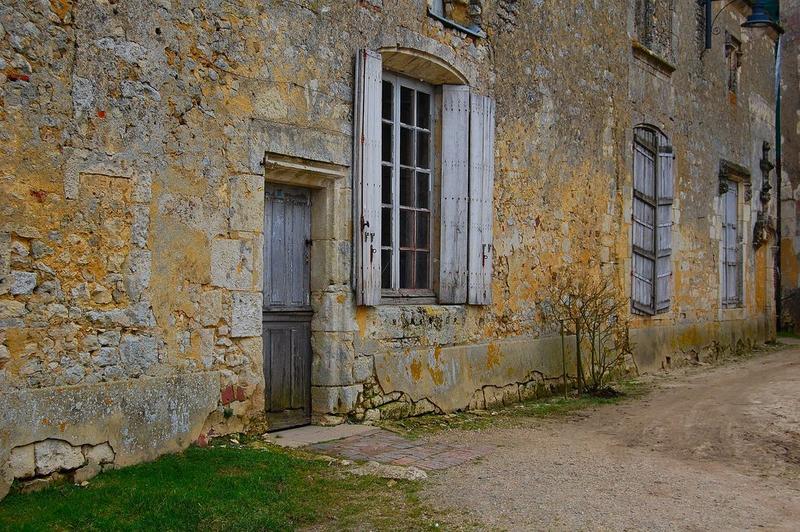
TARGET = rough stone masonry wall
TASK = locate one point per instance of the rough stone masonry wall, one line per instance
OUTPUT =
(131, 165)
(790, 191)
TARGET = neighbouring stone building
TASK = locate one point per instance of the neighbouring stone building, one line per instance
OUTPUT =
(790, 171)
(218, 216)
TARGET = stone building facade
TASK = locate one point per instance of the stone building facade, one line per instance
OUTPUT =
(148, 288)
(790, 170)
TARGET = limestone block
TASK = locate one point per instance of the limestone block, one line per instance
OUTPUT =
(246, 314)
(363, 369)
(11, 309)
(334, 359)
(86, 472)
(334, 311)
(247, 203)
(54, 455)
(140, 225)
(138, 353)
(330, 263)
(22, 462)
(5, 253)
(334, 222)
(232, 264)
(211, 310)
(142, 188)
(137, 273)
(106, 356)
(74, 374)
(109, 338)
(22, 283)
(100, 454)
(334, 399)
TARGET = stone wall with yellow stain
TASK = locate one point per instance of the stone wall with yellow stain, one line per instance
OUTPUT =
(134, 137)
(790, 186)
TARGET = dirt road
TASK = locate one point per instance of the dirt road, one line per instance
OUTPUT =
(713, 449)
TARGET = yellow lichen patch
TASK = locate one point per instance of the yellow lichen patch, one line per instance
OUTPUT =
(493, 356)
(416, 369)
(437, 375)
(61, 7)
(361, 320)
(340, 298)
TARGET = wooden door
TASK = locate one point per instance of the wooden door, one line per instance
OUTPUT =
(287, 308)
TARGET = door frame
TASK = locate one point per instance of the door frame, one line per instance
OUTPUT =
(331, 218)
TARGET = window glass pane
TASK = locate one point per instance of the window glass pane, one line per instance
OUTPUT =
(407, 106)
(386, 226)
(406, 228)
(406, 187)
(421, 270)
(386, 184)
(423, 190)
(406, 146)
(386, 268)
(386, 143)
(423, 230)
(406, 266)
(423, 110)
(423, 149)
(387, 99)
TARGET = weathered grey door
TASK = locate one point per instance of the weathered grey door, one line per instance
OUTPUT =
(287, 308)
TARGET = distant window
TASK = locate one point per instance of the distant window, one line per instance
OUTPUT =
(653, 186)
(733, 61)
(732, 263)
(653, 24)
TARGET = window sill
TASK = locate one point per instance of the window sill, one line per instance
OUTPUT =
(473, 31)
(645, 54)
(408, 297)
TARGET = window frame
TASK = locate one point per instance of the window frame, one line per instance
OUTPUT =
(737, 301)
(651, 148)
(395, 294)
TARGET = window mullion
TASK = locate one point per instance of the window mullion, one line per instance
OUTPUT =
(396, 190)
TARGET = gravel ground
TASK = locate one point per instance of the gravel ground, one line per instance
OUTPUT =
(709, 449)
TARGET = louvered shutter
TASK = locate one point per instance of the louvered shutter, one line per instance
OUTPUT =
(367, 178)
(644, 212)
(732, 256)
(455, 190)
(481, 189)
(666, 185)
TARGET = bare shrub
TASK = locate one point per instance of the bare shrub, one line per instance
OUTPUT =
(590, 306)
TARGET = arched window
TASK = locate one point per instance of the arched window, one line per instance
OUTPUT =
(653, 186)
(423, 182)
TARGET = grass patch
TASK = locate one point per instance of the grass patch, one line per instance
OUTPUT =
(547, 407)
(222, 488)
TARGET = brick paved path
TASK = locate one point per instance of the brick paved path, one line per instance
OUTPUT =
(389, 448)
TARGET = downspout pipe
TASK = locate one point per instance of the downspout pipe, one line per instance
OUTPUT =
(708, 24)
(778, 183)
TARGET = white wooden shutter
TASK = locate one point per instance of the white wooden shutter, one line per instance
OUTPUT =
(644, 212)
(666, 186)
(731, 244)
(367, 178)
(455, 191)
(481, 190)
